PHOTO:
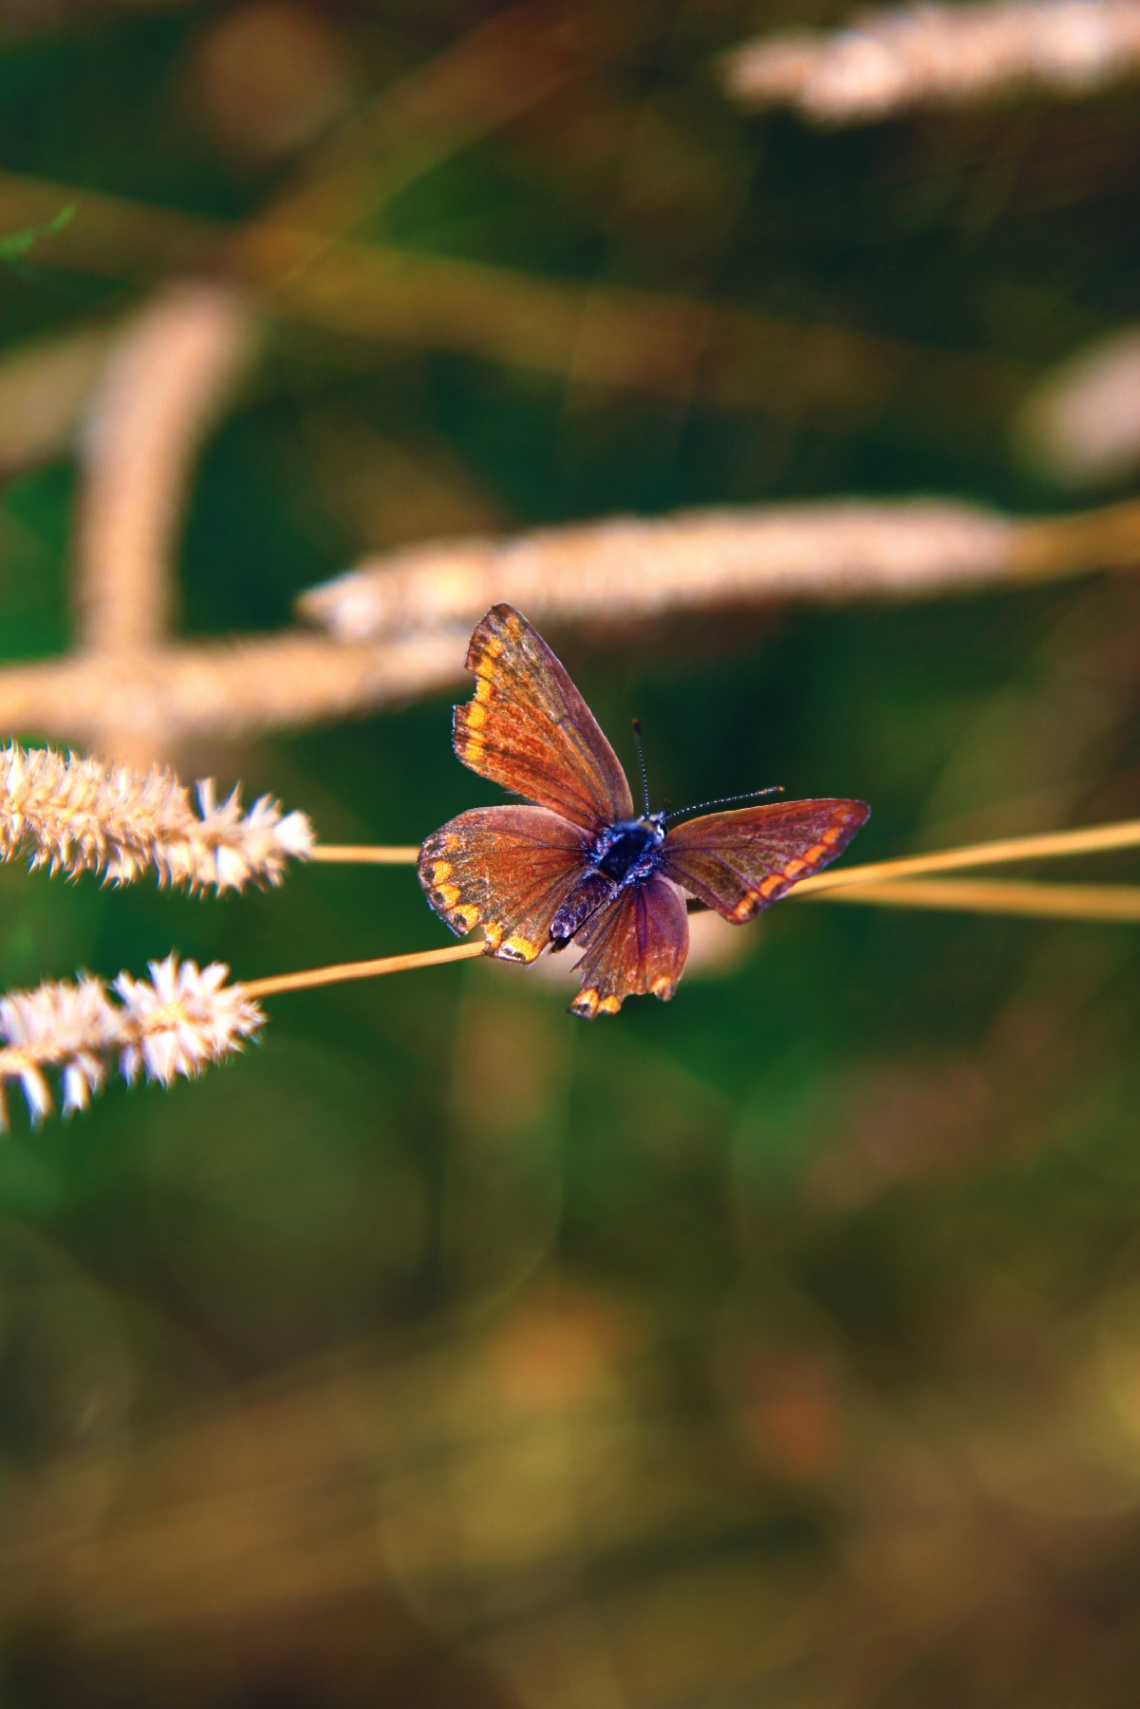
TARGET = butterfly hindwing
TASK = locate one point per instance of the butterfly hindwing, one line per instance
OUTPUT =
(507, 869)
(529, 729)
(636, 944)
(740, 862)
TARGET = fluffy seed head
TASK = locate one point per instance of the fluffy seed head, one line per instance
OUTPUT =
(174, 1023)
(77, 815)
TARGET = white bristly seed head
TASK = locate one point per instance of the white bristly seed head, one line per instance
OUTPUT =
(182, 1019)
(77, 815)
(174, 1023)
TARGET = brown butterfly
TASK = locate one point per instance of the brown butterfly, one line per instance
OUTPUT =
(580, 866)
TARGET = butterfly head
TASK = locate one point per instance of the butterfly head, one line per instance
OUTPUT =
(630, 849)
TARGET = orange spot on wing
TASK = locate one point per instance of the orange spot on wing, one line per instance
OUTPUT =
(440, 869)
(610, 1005)
(476, 717)
(773, 882)
(468, 914)
(585, 1003)
(484, 670)
(518, 948)
(483, 690)
(493, 932)
(662, 987)
(815, 854)
(448, 894)
(793, 867)
(470, 743)
(833, 834)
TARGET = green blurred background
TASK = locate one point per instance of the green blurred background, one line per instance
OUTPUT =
(777, 1347)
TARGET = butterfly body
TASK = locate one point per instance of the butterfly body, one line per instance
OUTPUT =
(579, 866)
(622, 854)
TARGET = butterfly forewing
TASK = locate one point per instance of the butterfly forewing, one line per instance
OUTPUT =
(507, 869)
(637, 944)
(742, 861)
(529, 729)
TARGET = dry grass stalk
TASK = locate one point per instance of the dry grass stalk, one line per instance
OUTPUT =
(1109, 902)
(888, 61)
(166, 696)
(501, 68)
(166, 380)
(224, 689)
(1093, 839)
(628, 567)
(655, 343)
(80, 815)
(184, 1018)
(1081, 424)
(168, 1026)
(152, 701)
(365, 854)
(897, 881)
(139, 698)
(45, 392)
(171, 1025)
(340, 971)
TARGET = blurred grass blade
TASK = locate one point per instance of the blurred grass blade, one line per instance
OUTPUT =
(18, 243)
(501, 68)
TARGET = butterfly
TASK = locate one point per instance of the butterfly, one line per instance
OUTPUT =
(580, 865)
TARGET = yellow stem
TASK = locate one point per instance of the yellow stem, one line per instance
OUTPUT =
(1093, 839)
(370, 854)
(358, 970)
(876, 883)
(1120, 902)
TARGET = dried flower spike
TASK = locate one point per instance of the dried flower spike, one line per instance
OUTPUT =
(175, 1023)
(79, 815)
(908, 56)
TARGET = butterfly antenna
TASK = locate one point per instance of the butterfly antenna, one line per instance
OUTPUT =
(723, 800)
(641, 763)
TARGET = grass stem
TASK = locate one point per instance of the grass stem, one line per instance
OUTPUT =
(1091, 839)
(343, 970)
(1117, 902)
(366, 854)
